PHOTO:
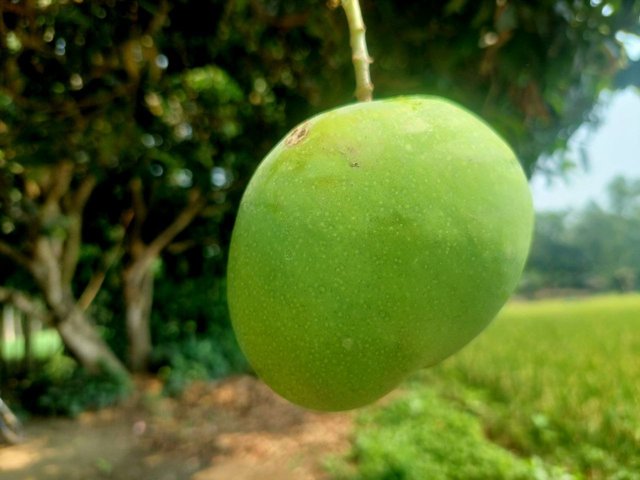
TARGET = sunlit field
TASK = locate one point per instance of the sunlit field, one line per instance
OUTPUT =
(550, 390)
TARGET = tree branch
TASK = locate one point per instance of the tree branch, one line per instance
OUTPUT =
(138, 203)
(94, 285)
(159, 18)
(112, 256)
(13, 254)
(196, 203)
(83, 193)
(73, 242)
(139, 209)
(46, 269)
(59, 186)
(26, 304)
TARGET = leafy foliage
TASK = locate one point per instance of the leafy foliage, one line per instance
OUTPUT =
(532, 69)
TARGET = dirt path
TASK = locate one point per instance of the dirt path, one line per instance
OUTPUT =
(234, 430)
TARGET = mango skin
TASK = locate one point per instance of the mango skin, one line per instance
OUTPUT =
(373, 240)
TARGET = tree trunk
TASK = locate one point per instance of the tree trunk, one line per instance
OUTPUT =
(28, 344)
(138, 295)
(138, 275)
(82, 339)
(52, 261)
(76, 329)
(3, 369)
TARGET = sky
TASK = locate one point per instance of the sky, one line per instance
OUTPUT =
(612, 149)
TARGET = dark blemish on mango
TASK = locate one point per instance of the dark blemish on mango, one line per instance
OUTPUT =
(354, 164)
(297, 135)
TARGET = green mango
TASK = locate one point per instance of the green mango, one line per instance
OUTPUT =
(375, 239)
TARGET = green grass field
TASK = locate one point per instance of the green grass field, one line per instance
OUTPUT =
(551, 390)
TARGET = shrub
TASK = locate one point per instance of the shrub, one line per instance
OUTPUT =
(198, 358)
(61, 387)
(420, 435)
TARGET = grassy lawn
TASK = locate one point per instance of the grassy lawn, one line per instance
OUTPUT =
(550, 391)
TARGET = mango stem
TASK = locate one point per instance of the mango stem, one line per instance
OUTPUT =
(360, 55)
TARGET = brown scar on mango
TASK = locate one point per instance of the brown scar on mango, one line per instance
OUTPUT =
(297, 135)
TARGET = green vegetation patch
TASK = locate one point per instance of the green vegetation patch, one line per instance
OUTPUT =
(550, 390)
(423, 436)
(60, 386)
(560, 378)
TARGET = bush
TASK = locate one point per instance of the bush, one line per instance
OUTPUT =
(422, 436)
(62, 387)
(198, 358)
(192, 334)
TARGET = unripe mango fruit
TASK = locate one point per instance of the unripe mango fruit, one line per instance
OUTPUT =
(373, 240)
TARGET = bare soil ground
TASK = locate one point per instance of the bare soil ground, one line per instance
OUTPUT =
(232, 430)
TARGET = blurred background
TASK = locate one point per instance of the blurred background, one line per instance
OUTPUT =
(128, 132)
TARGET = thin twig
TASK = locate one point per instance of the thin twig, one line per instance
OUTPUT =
(148, 253)
(12, 253)
(360, 57)
(109, 259)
